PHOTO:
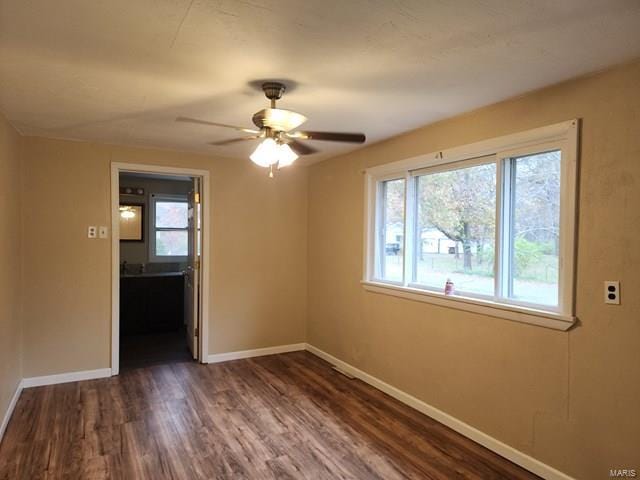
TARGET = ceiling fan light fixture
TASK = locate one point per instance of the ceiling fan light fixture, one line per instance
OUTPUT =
(287, 156)
(270, 152)
(266, 154)
(280, 146)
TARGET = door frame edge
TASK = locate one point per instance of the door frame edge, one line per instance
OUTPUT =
(203, 326)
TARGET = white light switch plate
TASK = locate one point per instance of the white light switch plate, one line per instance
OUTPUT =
(92, 232)
(103, 232)
(612, 292)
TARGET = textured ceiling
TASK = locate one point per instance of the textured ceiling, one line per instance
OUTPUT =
(120, 71)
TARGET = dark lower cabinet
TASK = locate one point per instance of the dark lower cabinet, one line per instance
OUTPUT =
(151, 304)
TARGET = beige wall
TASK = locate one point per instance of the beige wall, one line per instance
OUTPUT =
(568, 399)
(10, 326)
(258, 242)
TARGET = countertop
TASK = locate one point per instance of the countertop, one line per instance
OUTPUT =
(152, 274)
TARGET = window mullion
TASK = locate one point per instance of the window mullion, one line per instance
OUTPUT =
(409, 229)
(497, 254)
(512, 226)
(504, 250)
(507, 256)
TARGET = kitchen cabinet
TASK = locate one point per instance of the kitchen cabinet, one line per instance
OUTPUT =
(151, 303)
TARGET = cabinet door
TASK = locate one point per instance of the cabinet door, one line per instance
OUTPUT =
(133, 306)
(165, 311)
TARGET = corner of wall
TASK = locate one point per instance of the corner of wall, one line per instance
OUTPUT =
(305, 331)
(11, 318)
(22, 142)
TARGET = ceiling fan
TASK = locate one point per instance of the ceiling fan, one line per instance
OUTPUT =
(281, 144)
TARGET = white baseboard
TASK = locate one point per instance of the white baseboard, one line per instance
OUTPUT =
(10, 408)
(258, 352)
(66, 377)
(502, 449)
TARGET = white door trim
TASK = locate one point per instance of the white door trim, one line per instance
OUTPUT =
(116, 169)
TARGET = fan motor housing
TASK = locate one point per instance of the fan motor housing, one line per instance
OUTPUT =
(273, 90)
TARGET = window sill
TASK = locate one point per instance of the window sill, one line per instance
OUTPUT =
(541, 318)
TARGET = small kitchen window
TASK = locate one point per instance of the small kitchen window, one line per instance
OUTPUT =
(169, 235)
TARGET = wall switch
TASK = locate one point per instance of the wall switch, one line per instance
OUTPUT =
(612, 292)
(92, 232)
(103, 232)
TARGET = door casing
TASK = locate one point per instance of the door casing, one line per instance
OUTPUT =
(203, 328)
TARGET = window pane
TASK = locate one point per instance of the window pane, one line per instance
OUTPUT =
(455, 234)
(172, 243)
(390, 244)
(535, 229)
(171, 215)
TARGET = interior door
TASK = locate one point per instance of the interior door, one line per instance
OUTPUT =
(192, 277)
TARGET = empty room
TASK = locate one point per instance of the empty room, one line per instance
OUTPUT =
(363, 239)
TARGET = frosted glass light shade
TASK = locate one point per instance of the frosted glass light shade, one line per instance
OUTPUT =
(287, 156)
(266, 154)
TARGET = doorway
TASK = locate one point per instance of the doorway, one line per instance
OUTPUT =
(159, 278)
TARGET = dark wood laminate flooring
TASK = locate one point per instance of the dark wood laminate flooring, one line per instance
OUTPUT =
(280, 416)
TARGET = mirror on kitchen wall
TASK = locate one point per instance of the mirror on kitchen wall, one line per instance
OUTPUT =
(131, 222)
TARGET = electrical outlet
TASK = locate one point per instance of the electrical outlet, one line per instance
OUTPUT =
(92, 232)
(103, 232)
(612, 292)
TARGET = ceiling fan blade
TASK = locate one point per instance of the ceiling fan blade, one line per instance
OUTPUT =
(214, 124)
(300, 148)
(232, 140)
(330, 136)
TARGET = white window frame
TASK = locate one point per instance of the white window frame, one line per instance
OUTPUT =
(153, 199)
(379, 219)
(562, 136)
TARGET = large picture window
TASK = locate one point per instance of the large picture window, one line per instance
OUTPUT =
(491, 224)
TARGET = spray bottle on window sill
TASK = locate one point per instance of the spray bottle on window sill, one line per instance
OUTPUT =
(448, 287)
